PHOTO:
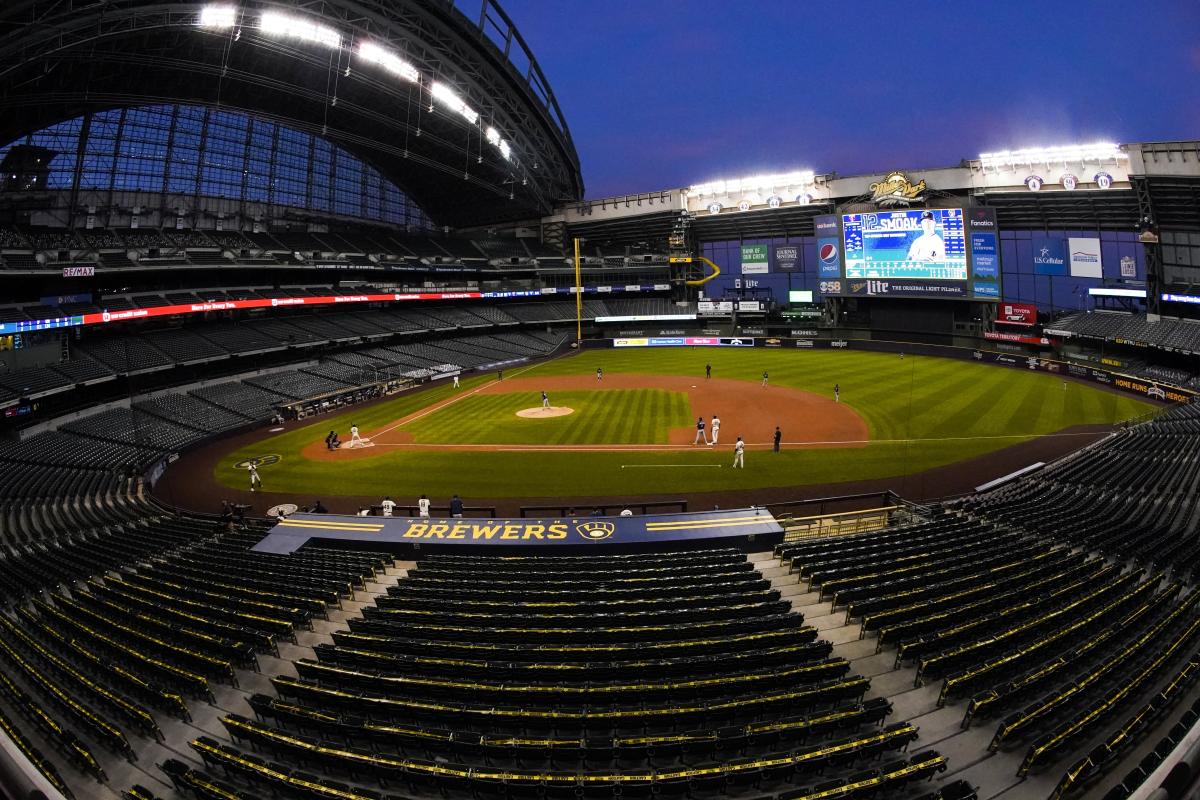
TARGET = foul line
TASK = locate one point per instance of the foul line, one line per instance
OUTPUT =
(685, 448)
(449, 402)
(652, 466)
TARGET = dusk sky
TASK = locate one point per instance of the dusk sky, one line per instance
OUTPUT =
(667, 93)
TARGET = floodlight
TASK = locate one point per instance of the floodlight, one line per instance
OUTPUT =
(1071, 153)
(217, 16)
(446, 96)
(274, 23)
(369, 51)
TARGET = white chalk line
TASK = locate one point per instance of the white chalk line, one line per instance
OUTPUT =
(654, 466)
(683, 448)
(449, 402)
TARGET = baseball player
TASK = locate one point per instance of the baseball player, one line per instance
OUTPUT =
(707, 371)
(355, 439)
(255, 481)
(700, 437)
(778, 438)
(716, 429)
(764, 379)
(389, 506)
(928, 246)
(739, 450)
(545, 400)
(423, 507)
(837, 391)
(599, 373)
(456, 381)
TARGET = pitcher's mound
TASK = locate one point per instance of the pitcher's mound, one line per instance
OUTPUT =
(545, 413)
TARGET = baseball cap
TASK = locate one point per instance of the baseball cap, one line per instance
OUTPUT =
(926, 215)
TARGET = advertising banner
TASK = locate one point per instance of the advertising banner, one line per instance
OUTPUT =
(125, 315)
(787, 257)
(294, 532)
(985, 263)
(1128, 267)
(754, 259)
(685, 341)
(906, 288)
(708, 308)
(1085, 258)
(829, 248)
(997, 336)
(1049, 256)
(78, 272)
(1017, 314)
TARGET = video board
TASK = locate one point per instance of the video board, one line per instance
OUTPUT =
(922, 244)
(936, 253)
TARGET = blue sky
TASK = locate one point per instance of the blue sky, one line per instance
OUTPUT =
(665, 93)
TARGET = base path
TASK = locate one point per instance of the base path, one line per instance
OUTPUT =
(746, 409)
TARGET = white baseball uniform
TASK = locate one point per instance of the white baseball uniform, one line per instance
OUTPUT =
(255, 481)
(927, 247)
(423, 507)
(739, 450)
(455, 381)
(389, 506)
(716, 428)
(355, 439)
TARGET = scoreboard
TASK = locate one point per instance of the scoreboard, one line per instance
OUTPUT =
(914, 252)
(921, 244)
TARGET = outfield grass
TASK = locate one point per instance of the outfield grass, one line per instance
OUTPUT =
(922, 412)
(616, 416)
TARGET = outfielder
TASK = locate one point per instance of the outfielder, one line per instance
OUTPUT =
(700, 437)
(545, 400)
(355, 439)
(456, 381)
(255, 481)
(739, 449)
(837, 391)
(716, 429)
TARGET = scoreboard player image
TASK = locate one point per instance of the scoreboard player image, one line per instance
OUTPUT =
(918, 244)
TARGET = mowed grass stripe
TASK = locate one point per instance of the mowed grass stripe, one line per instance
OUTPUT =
(961, 399)
(604, 416)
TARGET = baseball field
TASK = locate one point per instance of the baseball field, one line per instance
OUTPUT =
(631, 433)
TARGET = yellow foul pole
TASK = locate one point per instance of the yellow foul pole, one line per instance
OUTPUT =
(578, 297)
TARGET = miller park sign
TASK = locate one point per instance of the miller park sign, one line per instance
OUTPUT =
(897, 190)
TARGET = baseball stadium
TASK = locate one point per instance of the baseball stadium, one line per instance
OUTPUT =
(354, 450)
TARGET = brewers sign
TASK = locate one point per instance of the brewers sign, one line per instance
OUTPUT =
(292, 533)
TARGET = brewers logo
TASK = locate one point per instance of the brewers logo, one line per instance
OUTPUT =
(595, 531)
(258, 461)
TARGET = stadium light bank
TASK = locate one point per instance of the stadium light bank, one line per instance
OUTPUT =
(1101, 152)
(221, 16)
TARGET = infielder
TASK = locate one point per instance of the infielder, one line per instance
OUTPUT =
(545, 400)
(255, 481)
(764, 379)
(456, 381)
(707, 371)
(700, 437)
(355, 439)
(599, 373)
(837, 391)
(716, 429)
(739, 449)
(928, 246)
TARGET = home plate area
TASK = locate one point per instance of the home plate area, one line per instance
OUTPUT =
(545, 413)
